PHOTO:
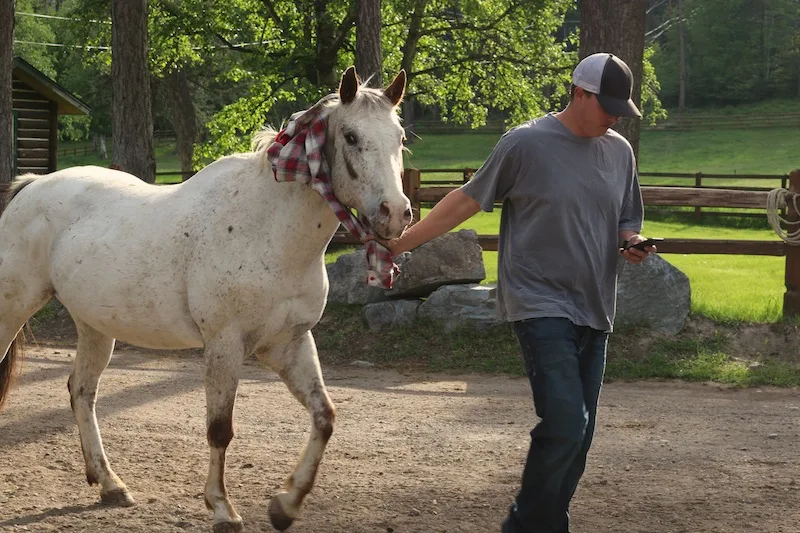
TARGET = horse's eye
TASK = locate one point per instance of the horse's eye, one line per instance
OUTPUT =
(350, 138)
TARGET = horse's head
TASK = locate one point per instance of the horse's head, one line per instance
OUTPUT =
(364, 150)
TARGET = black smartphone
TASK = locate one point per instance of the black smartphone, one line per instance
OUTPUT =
(652, 241)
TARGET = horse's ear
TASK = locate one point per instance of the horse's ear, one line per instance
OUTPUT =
(397, 89)
(349, 85)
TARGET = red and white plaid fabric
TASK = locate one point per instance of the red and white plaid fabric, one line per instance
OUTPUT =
(296, 154)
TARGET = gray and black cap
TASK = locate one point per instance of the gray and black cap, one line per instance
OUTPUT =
(608, 77)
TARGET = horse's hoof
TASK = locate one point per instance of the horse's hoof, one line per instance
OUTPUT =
(280, 520)
(117, 498)
(228, 527)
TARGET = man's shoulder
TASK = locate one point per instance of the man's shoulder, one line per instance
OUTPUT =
(526, 132)
(617, 139)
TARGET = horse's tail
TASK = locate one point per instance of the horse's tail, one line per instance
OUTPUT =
(9, 190)
(9, 362)
(9, 366)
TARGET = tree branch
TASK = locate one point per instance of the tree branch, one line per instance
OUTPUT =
(469, 26)
(274, 16)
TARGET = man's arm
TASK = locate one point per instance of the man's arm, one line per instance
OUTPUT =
(454, 209)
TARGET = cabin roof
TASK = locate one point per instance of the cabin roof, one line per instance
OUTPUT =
(68, 103)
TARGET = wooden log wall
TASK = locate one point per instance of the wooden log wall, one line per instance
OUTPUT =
(37, 129)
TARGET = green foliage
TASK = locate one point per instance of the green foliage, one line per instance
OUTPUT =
(651, 107)
(474, 56)
(30, 30)
(736, 51)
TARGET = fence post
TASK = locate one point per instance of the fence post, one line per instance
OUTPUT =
(791, 299)
(698, 182)
(411, 185)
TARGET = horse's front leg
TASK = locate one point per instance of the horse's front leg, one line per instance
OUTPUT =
(297, 364)
(223, 365)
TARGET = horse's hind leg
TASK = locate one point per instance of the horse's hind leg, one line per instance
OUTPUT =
(298, 366)
(92, 357)
(223, 365)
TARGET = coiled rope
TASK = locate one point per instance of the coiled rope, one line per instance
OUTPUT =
(778, 199)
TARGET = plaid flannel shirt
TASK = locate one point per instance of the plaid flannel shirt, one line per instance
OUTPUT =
(296, 154)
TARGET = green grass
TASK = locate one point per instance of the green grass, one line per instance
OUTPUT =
(342, 337)
(755, 151)
(696, 359)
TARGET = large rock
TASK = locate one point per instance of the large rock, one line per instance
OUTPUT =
(348, 281)
(461, 305)
(453, 258)
(653, 294)
(392, 314)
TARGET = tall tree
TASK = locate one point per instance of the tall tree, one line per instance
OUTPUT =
(369, 59)
(183, 119)
(682, 59)
(132, 119)
(6, 113)
(617, 27)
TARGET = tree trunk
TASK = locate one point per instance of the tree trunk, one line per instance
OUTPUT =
(617, 27)
(6, 114)
(368, 41)
(409, 52)
(183, 119)
(132, 116)
(682, 44)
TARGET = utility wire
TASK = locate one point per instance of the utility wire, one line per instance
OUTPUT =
(55, 17)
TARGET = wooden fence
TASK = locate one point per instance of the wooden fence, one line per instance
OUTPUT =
(431, 192)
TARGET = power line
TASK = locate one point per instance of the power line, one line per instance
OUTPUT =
(92, 47)
(61, 45)
(55, 17)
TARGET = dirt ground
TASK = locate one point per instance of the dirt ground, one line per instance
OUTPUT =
(410, 453)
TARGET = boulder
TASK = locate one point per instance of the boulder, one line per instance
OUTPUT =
(453, 258)
(454, 306)
(348, 280)
(391, 314)
(654, 294)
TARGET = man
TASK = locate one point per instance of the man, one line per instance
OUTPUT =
(571, 205)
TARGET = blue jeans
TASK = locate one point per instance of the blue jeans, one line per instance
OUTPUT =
(565, 364)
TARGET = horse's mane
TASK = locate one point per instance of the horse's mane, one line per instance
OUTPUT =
(260, 142)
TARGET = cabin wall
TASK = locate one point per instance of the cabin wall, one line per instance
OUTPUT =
(37, 129)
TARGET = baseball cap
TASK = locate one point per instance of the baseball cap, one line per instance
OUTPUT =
(611, 80)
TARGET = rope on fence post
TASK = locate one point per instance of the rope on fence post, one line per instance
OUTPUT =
(791, 298)
(777, 200)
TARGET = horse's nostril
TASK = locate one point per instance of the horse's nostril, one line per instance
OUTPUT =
(408, 214)
(385, 211)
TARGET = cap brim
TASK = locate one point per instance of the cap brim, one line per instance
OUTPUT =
(618, 107)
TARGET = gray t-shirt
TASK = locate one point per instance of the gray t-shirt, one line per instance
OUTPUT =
(565, 199)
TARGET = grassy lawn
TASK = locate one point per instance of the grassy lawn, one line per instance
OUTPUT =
(342, 337)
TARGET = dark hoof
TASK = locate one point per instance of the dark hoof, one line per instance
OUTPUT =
(280, 520)
(117, 498)
(228, 527)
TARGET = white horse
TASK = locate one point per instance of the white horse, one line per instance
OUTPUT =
(231, 261)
